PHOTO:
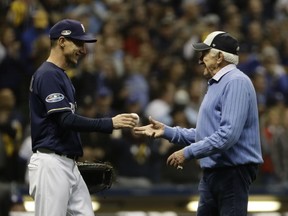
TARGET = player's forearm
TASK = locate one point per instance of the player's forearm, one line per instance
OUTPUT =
(80, 123)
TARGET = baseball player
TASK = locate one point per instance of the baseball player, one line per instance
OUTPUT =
(55, 182)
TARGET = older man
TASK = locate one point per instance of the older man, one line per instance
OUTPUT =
(226, 139)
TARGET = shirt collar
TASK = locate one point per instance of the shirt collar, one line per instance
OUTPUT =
(223, 71)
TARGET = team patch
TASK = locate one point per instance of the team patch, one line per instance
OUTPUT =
(66, 32)
(55, 97)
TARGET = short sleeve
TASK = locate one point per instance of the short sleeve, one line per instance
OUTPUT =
(56, 91)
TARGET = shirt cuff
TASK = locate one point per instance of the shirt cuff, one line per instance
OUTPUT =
(168, 133)
(188, 152)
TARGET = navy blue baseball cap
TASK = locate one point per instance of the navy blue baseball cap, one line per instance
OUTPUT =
(219, 40)
(71, 29)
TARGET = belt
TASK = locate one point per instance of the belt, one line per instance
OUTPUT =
(48, 151)
(231, 167)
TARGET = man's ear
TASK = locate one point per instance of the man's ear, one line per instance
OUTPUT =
(61, 41)
(220, 57)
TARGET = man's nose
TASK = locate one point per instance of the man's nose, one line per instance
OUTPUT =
(201, 60)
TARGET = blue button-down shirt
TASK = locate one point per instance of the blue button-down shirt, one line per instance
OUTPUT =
(227, 130)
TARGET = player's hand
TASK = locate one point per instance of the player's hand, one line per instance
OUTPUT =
(155, 129)
(176, 159)
(125, 120)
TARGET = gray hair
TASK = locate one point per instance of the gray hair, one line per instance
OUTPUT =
(229, 57)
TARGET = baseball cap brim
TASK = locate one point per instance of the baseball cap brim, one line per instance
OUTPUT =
(201, 46)
(86, 38)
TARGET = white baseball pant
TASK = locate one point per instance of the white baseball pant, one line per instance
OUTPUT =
(57, 186)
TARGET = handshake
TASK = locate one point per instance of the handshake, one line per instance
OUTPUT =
(131, 120)
(154, 129)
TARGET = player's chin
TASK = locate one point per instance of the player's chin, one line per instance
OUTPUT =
(78, 58)
(74, 61)
(73, 64)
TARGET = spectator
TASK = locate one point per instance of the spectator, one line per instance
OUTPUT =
(135, 80)
(279, 147)
(273, 72)
(260, 82)
(270, 123)
(137, 161)
(196, 92)
(161, 106)
(11, 134)
(12, 68)
(40, 26)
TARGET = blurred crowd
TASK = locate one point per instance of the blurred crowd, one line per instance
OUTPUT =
(143, 62)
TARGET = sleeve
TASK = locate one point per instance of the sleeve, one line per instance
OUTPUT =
(180, 136)
(80, 123)
(53, 91)
(235, 107)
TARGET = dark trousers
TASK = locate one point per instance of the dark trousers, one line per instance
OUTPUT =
(225, 191)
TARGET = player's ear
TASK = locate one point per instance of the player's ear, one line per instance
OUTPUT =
(61, 42)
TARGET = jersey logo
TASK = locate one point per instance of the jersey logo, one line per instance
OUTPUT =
(73, 107)
(55, 97)
(66, 32)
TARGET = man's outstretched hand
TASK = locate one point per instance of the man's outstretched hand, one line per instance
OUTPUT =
(155, 129)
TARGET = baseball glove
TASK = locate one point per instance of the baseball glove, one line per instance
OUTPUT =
(98, 176)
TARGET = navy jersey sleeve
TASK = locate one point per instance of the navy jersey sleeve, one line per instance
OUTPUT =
(56, 91)
(80, 123)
